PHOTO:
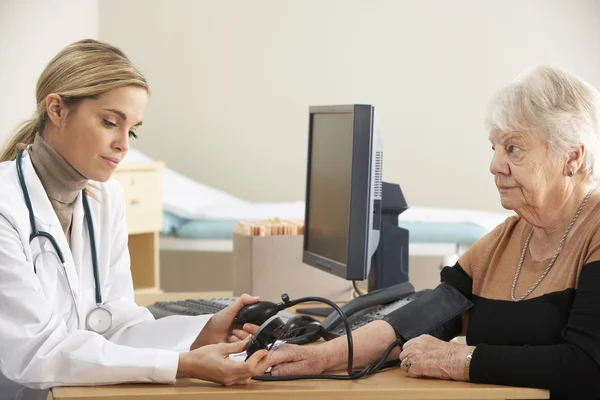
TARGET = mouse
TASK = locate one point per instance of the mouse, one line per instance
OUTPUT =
(301, 325)
(256, 313)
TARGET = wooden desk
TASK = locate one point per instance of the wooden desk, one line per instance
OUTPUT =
(390, 384)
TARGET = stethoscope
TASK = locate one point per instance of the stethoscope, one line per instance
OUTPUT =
(99, 319)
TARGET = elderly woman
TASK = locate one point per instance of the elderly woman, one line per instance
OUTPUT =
(534, 281)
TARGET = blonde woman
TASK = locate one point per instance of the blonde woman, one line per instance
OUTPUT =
(67, 311)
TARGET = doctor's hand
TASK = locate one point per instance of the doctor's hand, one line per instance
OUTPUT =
(241, 334)
(427, 356)
(212, 363)
(219, 327)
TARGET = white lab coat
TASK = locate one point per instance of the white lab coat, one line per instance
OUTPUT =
(41, 344)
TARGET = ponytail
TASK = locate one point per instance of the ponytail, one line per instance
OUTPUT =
(25, 135)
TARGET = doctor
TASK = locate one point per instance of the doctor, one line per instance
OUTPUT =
(67, 312)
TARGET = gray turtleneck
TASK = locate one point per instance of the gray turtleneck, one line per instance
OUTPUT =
(61, 181)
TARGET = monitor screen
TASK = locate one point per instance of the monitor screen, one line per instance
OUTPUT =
(329, 188)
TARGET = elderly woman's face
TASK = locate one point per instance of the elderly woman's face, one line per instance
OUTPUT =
(523, 169)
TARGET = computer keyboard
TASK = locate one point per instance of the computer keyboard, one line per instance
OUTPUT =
(193, 307)
(162, 309)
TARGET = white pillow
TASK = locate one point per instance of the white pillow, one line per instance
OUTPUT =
(183, 196)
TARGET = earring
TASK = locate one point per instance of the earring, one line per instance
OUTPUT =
(570, 173)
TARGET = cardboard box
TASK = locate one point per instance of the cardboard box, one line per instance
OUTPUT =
(268, 266)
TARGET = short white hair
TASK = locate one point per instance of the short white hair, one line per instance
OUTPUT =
(560, 106)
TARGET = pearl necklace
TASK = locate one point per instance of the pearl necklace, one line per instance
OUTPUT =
(560, 246)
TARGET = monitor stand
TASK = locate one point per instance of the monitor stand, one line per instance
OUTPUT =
(390, 261)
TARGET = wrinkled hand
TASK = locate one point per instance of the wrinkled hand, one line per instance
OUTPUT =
(219, 327)
(212, 363)
(290, 359)
(434, 358)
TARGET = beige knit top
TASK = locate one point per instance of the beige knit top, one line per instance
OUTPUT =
(60, 180)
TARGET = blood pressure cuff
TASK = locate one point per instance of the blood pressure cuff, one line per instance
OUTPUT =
(435, 312)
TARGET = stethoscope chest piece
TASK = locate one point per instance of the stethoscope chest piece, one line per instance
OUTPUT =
(99, 320)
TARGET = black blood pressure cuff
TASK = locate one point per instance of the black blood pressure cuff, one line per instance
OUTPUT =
(435, 312)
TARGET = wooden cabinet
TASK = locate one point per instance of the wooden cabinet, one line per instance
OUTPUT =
(143, 201)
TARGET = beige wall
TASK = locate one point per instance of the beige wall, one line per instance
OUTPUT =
(31, 33)
(232, 82)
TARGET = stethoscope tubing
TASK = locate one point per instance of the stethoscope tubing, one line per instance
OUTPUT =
(36, 233)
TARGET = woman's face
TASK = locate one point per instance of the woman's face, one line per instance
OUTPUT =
(94, 135)
(524, 171)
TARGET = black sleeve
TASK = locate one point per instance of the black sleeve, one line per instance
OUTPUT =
(459, 279)
(572, 365)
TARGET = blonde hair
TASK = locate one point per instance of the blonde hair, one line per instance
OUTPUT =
(562, 107)
(84, 69)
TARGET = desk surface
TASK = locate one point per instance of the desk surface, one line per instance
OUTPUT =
(390, 384)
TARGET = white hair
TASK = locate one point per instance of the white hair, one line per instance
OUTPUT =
(562, 107)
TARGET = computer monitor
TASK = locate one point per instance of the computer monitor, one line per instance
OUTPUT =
(343, 190)
(351, 219)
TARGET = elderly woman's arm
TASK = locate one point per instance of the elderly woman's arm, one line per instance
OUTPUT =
(437, 312)
(572, 364)
(370, 342)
